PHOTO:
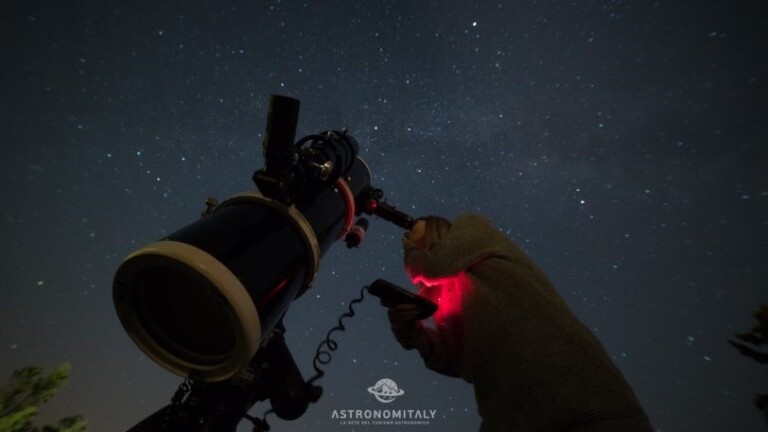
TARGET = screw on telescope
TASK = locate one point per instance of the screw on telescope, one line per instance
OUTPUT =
(210, 204)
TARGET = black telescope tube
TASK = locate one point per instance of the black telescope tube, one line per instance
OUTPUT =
(282, 120)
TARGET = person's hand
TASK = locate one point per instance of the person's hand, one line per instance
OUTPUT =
(417, 234)
(405, 325)
(403, 315)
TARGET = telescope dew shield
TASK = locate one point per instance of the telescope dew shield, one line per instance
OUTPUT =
(201, 300)
(159, 291)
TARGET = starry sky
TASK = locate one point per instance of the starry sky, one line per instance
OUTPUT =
(620, 143)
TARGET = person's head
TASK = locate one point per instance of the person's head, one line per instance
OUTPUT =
(428, 229)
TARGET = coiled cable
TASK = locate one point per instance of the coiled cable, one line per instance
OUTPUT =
(327, 346)
(322, 358)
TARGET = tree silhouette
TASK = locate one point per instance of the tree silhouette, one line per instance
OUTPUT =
(749, 344)
(25, 391)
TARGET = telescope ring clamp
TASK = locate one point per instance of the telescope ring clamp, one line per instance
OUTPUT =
(349, 200)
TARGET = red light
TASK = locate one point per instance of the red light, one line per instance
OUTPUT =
(269, 295)
(371, 205)
(447, 292)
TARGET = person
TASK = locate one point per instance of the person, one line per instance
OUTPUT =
(501, 326)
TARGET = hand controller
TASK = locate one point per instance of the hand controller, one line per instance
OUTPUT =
(392, 295)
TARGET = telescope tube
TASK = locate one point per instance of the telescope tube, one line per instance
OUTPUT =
(201, 300)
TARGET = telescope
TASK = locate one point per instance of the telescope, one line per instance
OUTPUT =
(207, 301)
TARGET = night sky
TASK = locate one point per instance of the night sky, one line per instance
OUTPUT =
(620, 143)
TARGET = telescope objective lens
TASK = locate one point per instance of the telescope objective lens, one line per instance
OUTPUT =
(187, 318)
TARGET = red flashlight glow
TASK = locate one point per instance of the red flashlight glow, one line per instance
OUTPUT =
(447, 292)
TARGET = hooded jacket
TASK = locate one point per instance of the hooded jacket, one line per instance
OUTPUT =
(502, 326)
